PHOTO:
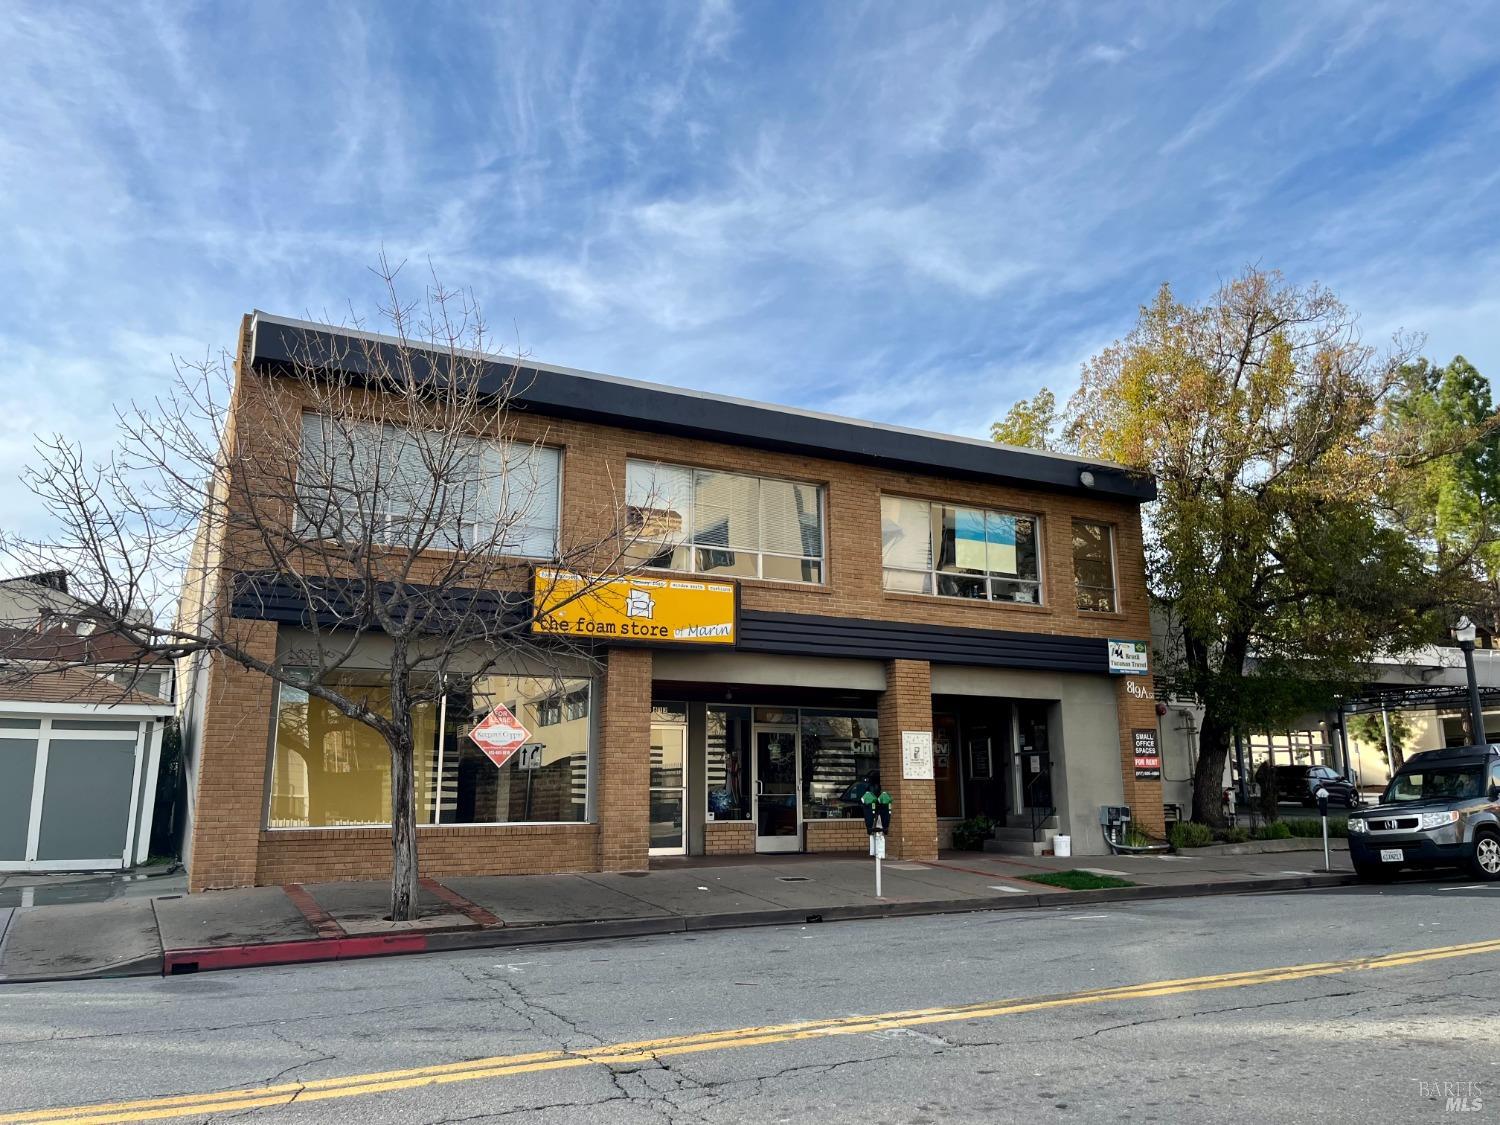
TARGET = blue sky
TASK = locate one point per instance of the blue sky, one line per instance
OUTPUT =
(908, 212)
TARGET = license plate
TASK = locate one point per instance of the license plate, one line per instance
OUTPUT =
(1391, 855)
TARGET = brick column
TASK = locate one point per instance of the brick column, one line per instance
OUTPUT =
(622, 796)
(906, 704)
(1135, 703)
(232, 744)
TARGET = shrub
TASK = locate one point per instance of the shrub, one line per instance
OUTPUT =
(1188, 834)
(1273, 831)
(1236, 835)
(970, 835)
(1136, 837)
(1313, 827)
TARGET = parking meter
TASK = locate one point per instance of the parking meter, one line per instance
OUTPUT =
(877, 810)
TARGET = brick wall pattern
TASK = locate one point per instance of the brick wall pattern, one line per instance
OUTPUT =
(231, 846)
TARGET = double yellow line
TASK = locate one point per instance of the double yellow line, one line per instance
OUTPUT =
(647, 1050)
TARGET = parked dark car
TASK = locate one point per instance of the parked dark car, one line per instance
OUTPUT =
(1301, 783)
(1442, 809)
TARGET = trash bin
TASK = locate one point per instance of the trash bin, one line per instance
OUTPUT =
(1062, 846)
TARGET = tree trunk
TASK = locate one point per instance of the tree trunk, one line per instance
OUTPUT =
(1208, 776)
(403, 807)
(403, 832)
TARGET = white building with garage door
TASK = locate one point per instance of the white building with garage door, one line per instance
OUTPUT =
(78, 764)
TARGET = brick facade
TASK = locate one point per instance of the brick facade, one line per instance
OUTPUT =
(906, 705)
(729, 837)
(622, 792)
(319, 854)
(837, 836)
(594, 461)
(232, 847)
(234, 744)
(1137, 709)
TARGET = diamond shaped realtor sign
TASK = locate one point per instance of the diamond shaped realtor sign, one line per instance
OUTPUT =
(500, 734)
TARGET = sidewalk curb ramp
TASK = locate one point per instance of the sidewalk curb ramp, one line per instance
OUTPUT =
(175, 962)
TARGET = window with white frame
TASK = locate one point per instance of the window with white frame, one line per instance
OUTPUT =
(709, 522)
(958, 552)
(366, 481)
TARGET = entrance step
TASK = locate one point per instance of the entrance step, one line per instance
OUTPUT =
(1016, 839)
(1020, 832)
(1022, 846)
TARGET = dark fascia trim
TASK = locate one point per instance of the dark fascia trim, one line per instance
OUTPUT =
(604, 399)
(334, 603)
(273, 597)
(817, 635)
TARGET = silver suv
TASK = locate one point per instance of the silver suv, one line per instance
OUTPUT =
(1442, 809)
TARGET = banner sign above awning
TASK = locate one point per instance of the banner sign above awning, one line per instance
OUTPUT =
(636, 610)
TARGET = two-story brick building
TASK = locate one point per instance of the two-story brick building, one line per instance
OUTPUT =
(888, 586)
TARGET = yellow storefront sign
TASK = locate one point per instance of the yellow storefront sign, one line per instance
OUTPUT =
(640, 609)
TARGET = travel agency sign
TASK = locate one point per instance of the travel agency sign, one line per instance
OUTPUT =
(639, 610)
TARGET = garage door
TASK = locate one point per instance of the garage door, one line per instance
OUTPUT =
(18, 748)
(68, 792)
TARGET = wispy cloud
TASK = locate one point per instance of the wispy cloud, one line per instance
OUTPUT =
(907, 212)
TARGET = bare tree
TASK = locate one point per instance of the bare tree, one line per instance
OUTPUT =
(387, 485)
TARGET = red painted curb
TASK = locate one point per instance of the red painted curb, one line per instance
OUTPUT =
(176, 961)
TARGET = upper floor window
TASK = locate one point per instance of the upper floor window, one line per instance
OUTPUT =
(708, 522)
(1094, 566)
(368, 482)
(959, 552)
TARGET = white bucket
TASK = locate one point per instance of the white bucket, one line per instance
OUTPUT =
(1062, 846)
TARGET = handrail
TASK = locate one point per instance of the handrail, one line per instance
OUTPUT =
(1040, 814)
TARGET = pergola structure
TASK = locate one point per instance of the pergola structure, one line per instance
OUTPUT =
(1414, 697)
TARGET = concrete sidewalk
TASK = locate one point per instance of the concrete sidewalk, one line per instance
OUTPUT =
(176, 933)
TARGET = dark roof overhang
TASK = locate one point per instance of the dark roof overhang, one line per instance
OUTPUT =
(586, 396)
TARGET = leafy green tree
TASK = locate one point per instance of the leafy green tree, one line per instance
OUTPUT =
(1370, 729)
(1030, 422)
(1274, 541)
(1444, 418)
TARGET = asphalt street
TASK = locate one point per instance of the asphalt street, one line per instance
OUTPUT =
(1285, 1008)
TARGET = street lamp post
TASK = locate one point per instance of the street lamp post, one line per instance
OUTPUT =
(1464, 633)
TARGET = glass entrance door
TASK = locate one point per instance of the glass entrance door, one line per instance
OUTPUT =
(668, 789)
(1033, 758)
(778, 815)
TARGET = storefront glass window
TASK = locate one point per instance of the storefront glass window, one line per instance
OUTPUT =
(557, 713)
(328, 770)
(729, 763)
(840, 755)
